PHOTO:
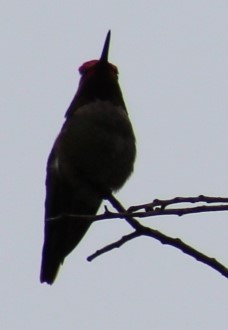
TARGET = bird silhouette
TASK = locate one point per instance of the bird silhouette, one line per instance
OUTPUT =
(92, 156)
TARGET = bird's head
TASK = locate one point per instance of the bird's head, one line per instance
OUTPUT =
(99, 67)
(99, 80)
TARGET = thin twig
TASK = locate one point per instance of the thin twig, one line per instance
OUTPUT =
(178, 200)
(157, 208)
(164, 239)
(150, 212)
(114, 245)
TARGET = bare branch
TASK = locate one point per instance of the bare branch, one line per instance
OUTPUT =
(157, 208)
(163, 203)
(114, 245)
(164, 239)
(187, 249)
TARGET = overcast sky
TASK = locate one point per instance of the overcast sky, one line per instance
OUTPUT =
(173, 63)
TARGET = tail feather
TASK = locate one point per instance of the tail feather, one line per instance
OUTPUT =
(49, 270)
(61, 237)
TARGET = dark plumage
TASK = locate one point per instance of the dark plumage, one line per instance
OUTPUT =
(93, 155)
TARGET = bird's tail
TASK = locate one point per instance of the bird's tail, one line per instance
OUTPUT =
(49, 269)
(61, 237)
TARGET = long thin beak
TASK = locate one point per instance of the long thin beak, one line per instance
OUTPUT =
(104, 54)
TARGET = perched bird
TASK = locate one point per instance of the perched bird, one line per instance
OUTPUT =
(92, 156)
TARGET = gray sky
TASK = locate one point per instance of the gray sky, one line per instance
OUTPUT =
(173, 63)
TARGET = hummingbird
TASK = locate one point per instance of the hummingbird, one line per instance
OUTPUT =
(92, 156)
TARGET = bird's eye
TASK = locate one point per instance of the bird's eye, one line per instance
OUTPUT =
(113, 68)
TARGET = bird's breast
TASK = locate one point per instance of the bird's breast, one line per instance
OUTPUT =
(98, 143)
